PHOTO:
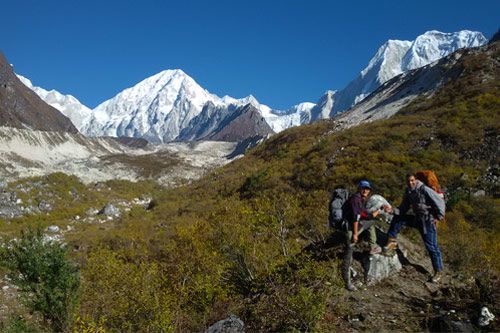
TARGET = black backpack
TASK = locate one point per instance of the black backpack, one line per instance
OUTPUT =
(336, 219)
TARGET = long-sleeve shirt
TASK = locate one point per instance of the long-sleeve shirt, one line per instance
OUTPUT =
(354, 208)
(432, 205)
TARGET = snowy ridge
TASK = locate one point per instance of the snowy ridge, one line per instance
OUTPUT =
(155, 108)
(165, 105)
(160, 107)
(67, 104)
(396, 57)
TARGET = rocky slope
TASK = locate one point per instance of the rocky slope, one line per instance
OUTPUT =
(27, 153)
(20, 107)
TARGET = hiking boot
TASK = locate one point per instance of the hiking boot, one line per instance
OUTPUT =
(438, 276)
(391, 246)
(375, 249)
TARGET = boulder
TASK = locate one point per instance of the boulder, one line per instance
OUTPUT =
(45, 206)
(10, 211)
(53, 228)
(378, 267)
(232, 324)
(109, 210)
(485, 317)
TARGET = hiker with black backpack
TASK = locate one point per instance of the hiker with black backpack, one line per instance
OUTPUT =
(428, 207)
(357, 221)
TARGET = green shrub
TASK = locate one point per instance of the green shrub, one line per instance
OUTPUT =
(123, 295)
(19, 325)
(47, 280)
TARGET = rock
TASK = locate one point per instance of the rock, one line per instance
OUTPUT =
(480, 193)
(109, 210)
(74, 193)
(486, 317)
(232, 324)
(10, 211)
(6, 197)
(92, 212)
(53, 228)
(379, 267)
(44, 206)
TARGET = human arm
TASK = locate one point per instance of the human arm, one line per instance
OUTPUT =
(355, 227)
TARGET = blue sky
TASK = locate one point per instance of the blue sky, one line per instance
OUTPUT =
(282, 52)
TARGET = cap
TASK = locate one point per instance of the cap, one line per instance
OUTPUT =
(365, 184)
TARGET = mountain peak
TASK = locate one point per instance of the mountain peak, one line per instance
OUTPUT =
(434, 45)
(397, 56)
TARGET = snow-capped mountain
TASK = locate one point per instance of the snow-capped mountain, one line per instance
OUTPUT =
(171, 106)
(66, 104)
(160, 107)
(156, 108)
(396, 57)
(423, 82)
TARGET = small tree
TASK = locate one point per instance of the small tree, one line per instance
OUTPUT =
(47, 280)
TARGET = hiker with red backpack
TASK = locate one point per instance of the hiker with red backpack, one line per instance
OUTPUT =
(428, 207)
(358, 221)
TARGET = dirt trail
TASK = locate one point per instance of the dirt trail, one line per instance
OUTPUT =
(408, 302)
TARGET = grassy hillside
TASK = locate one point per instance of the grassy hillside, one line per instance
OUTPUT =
(244, 239)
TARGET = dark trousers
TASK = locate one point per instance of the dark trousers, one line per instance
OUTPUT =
(428, 232)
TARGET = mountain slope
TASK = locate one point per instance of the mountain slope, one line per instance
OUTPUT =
(20, 107)
(27, 153)
(250, 239)
(401, 90)
(245, 122)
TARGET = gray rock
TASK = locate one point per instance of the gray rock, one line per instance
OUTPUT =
(6, 197)
(92, 212)
(53, 228)
(74, 193)
(110, 210)
(232, 324)
(10, 211)
(486, 317)
(45, 206)
(379, 267)
(480, 193)
(3, 184)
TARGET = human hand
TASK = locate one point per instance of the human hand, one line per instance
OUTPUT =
(354, 238)
(387, 208)
(376, 213)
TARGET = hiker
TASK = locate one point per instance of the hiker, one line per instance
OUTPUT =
(358, 221)
(429, 208)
